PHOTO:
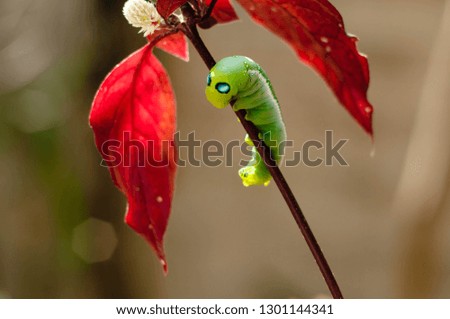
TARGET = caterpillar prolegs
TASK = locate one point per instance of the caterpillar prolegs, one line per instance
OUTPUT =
(240, 79)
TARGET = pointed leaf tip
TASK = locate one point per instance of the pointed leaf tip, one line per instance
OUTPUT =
(174, 44)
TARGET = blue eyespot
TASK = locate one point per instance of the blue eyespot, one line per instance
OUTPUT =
(208, 79)
(223, 88)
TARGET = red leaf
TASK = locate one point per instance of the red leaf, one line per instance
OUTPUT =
(176, 45)
(223, 12)
(167, 7)
(315, 29)
(132, 115)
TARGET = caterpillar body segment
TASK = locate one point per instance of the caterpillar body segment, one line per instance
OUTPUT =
(243, 81)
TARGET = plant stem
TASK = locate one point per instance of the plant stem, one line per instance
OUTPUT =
(210, 9)
(190, 30)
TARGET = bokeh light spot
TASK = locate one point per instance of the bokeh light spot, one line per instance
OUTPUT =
(94, 240)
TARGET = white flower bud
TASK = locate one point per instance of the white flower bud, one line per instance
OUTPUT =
(142, 14)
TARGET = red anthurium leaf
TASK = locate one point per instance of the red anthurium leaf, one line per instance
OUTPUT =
(175, 44)
(223, 12)
(133, 118)
(167, 7)
(315, 29)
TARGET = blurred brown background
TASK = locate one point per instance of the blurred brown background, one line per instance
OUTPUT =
(382, 221)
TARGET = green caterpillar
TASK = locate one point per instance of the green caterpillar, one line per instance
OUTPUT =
(243, 81)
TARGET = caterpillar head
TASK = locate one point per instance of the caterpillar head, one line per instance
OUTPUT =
(226, 79)
(219, 89)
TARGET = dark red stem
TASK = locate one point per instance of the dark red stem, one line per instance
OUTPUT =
(210, 9)
(190, 30)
